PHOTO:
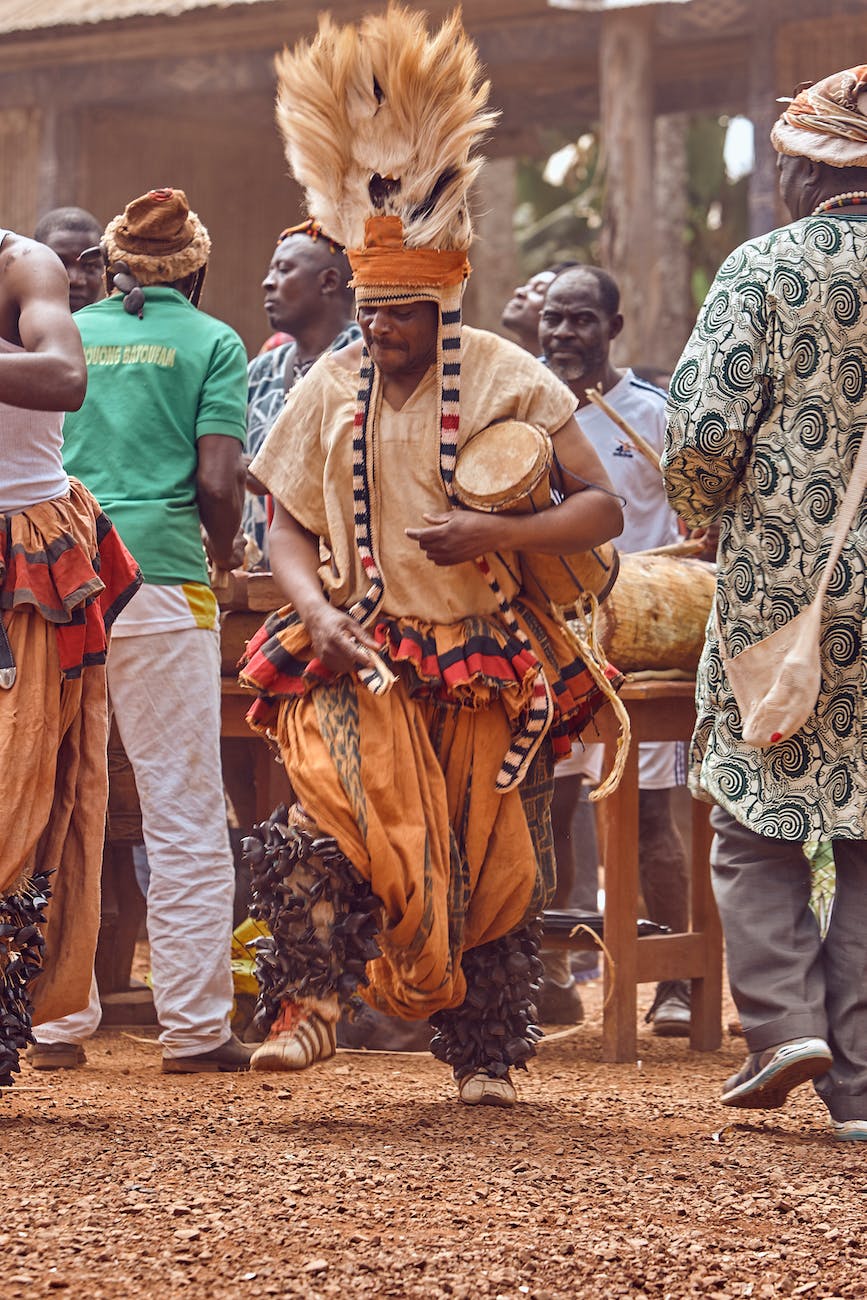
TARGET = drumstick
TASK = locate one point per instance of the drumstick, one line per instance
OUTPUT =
(688, 546)
(636, 439)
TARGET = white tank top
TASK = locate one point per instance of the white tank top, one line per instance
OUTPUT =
(31, 461)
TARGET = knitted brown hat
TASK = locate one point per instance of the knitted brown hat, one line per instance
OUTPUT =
(158, 238)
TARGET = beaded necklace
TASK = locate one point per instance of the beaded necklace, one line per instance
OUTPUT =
(853, 199)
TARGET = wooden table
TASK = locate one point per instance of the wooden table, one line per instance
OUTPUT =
(659, 710)
(252, 772)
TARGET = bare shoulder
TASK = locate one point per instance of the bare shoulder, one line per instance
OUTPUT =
(348, 358)
(20, 252)
(29, 269)
(34, 291)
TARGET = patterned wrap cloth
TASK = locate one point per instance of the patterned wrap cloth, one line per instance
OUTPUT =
(65, 575)
(828, 121)
(766, 412)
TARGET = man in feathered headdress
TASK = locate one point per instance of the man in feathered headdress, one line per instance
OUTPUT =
(413, 690)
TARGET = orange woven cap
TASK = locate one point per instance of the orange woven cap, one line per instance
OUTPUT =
(385, 260)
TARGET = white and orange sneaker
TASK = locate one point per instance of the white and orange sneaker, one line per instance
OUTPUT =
(298, 1038)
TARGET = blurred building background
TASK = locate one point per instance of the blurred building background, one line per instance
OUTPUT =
(626, 133)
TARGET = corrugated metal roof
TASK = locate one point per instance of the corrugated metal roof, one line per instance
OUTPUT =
(611, 4)
(33, 15)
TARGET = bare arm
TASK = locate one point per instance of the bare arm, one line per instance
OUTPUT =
(588, 516)
(50, 374)
(338, 641)
(220, 493)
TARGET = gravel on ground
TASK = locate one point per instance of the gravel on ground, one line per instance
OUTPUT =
(364, 1177)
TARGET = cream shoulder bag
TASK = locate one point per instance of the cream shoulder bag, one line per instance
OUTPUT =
(776, 681)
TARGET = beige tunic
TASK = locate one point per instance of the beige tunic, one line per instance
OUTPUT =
(306, 463)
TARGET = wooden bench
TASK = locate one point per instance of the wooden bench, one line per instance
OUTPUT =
(658, 710)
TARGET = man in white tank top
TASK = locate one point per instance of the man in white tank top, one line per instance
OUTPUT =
(54, 542)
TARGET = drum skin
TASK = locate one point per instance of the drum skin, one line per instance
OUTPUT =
(506, 468)
(657, 613)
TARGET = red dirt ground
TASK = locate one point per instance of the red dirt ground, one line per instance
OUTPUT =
(365, 1178)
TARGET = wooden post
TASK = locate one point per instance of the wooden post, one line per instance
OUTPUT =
(706, 1027)
(494, 254)
(19, 150)
(676, 311)
(628, 237)
(620, 854)
(57, 169)
(763, 202)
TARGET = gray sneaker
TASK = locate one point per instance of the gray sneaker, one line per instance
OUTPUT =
(766, 1078)
(55, 1056)
(232, 1056)
(850, 1130)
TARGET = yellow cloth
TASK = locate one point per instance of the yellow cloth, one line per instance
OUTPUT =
(311, 444)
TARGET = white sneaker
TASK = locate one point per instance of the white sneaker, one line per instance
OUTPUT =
(850, 1130)
(483, 1089)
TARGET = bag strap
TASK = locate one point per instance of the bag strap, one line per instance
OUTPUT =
(848, 506)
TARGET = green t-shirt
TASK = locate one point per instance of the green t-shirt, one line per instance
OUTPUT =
(154, 386)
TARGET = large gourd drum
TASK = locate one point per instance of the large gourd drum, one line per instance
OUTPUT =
(655, 617)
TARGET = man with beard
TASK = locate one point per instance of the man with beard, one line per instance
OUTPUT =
(417, 693)
(579, 322)
(306, 296)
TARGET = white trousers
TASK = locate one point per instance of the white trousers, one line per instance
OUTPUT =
(164, 689)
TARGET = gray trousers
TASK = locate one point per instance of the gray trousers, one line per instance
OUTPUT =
(786, 981)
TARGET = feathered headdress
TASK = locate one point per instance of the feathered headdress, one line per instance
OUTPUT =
(379, 121)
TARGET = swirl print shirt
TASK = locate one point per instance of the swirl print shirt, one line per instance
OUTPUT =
(766, 412)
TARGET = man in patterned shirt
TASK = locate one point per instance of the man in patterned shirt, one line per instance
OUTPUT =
(306, 296)
(767, 410)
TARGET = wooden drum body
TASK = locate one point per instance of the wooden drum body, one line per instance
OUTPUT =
(657, 614)
(506, 468)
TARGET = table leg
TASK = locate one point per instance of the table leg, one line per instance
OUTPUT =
(620, 822)
(706, 1031)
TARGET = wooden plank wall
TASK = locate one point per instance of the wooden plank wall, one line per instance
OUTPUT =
(814, 48)
(20, 139)
(227, 158)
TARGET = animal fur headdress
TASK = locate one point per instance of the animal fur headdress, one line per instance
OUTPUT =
(378, 122)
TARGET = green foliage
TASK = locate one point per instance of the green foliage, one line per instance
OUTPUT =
(717, 208)
(557, 222)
